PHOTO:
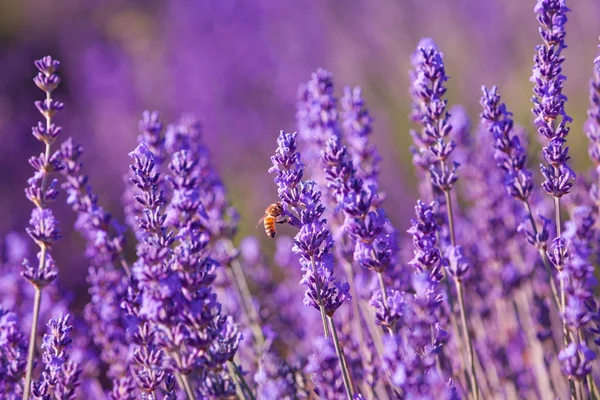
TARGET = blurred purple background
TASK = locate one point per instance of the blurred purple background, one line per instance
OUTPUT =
(237, 65)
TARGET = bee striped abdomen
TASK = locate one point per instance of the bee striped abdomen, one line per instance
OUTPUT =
(270, 218)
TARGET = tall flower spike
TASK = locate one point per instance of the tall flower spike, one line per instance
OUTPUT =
(42, 191)
(13, 354)
(549, 101)
(301, 202)
(356, 122)
(60, 373)
(431, 150)
(510, 155)
(317, 119)
(435, 149)
(592, 127)
(150, 130)
(93, 222)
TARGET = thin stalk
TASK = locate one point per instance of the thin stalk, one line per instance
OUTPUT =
(461, 304)
(574, 386)
(462, 378)
(323, 316)
(468, 343)
(378, 342)
(238, 387)
(450, 217)
(341, 358)
(179, 381)
(123, 261)
(187, 388)
(240, 378)
(37, 300)
(544, 257)
(182, 380)
(241, 284)
(366, 356)
(382, 288)
(588, 379)
(579, 386)
(557, 216)
(540, 368)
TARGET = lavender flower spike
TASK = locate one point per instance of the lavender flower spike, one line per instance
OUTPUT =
(429, 110)
(43, 226)
(301, 202)
(61, 375)
(549, 101)
(592, 126)
(13, 354)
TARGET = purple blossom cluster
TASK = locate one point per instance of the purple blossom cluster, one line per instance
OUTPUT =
(182, 305)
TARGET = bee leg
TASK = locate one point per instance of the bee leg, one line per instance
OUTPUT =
(283, 221)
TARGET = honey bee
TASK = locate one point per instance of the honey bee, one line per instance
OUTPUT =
(272, 216)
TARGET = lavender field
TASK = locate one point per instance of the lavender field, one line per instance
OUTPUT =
(299, 200)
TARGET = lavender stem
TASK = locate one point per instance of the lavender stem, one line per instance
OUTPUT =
(341, 358)
(31, 353)
(544, 256)
(241, 284)
(542, 377)
(238, 388)
(323, 316)
(231, 365)
(382, 287)
(461, 303)
(364, 351)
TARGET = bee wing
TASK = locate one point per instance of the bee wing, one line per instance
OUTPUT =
(260, 220)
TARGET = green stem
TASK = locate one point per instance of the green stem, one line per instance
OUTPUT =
(557, 216)
(187, 387)
(467, 335)
(37, 299)
(238, 388)
(240, 378)
(323, 316)
(243, 289)
(356, 322)
(461, 303)
(341, 359)
(544, 257)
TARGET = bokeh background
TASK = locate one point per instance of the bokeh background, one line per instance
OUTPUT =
(237, 65)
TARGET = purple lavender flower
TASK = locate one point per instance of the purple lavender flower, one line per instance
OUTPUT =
(431, 150)
(424, 230)
(60, 373)
(413, 372)
(123, 389)
(43, 227)
(510, 155)
(13, 355)
(375, 245)
(108, 288)
(147, 365)
(317, 115)
(276, 379)
(592, 126)
(218, 385)
(302, 204)
(356, 122)
(549, 101)
(93, 222)
(150, 129)
(581, 307)
(576, 360)
(326, 374)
